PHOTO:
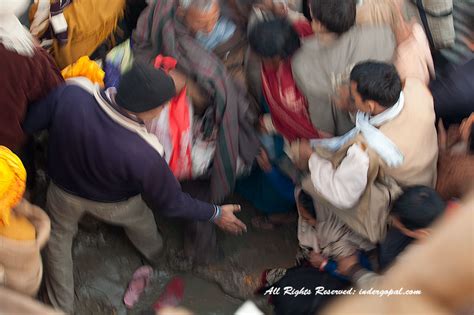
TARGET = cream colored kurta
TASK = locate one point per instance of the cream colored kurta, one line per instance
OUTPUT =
(414, 133)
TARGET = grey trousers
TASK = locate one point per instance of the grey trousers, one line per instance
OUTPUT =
(65, 211)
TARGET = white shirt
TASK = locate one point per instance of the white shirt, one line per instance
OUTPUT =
(344, 185)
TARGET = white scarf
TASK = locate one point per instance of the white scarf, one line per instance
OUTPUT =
(13, 35)
(376, 140)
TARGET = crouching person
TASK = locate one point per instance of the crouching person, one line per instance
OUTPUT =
(102, 161)
(24, 230)
(412, 214)
(354, 178)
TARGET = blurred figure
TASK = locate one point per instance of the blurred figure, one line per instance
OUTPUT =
(456, 159)
(276, 41)
(173, 311)
(413, 55)
(24, 229)
(12, 302)
(424, 268)
(453, 94)
(401, 159)
(27, 74)
(412, 214)
(75, 28)
(338, 45)
(354, 178)
(285, 117)
(102, 161)
(222, 104)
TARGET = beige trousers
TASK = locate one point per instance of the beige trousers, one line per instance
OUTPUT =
(65, 211)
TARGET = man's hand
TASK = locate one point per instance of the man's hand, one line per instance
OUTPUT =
(229, 222)
(280, 9)
(345, 264)
(304, 154)
(316, 259)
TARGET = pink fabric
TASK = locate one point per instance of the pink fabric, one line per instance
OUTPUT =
(288, 106)
(172, 295)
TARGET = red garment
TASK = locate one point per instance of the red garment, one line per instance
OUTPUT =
(288, 107)
(24, 81)
(303, 28)
(180, 132)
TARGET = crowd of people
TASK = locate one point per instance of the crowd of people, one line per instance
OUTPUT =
(350, 119)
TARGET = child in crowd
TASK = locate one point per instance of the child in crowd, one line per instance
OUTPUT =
(412, 215)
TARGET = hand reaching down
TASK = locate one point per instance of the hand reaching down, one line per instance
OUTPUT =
(228, 222)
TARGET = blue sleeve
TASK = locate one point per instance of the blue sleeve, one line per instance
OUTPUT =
(162, 191)
(331, 268)
(40, 114)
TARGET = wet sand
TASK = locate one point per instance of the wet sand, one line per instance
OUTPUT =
(105, 260)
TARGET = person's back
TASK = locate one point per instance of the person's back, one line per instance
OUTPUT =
(324, 63)
(102, 161)
(99, 152)
(414, 133)
(86, 146)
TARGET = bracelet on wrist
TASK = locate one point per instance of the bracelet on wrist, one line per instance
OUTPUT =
(217, 213)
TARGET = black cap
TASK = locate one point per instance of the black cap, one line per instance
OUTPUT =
(143, 88)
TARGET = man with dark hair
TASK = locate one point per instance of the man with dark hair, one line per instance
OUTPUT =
(275, 42)
(376, 88)
(353, 176)
(325, 60)
(336, 16)
(412, 215)
(377, 84)
(102, 161)
(274, 38)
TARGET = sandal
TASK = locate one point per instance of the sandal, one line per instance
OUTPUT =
(140, 280)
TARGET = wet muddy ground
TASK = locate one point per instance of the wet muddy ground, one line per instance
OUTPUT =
(105, 260)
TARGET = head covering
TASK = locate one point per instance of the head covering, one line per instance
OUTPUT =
(84, 67)
(12, 183)
(13, 35)
(143, 88)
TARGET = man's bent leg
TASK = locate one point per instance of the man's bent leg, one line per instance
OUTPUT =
(138, 222)
(59, 279)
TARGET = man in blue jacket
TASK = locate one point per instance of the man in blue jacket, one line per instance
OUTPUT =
(103, 162)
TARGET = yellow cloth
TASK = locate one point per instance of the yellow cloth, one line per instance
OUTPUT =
(12, 183)
(89, 23)
(12, 188)
(20, 229)
(85, 67)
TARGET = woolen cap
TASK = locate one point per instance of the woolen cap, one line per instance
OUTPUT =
(143, 88)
